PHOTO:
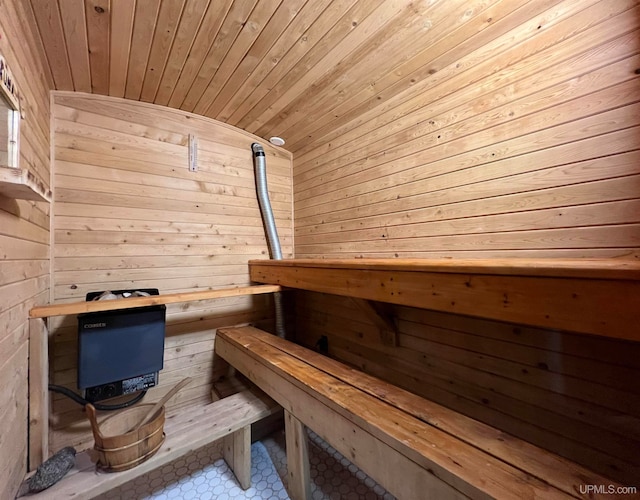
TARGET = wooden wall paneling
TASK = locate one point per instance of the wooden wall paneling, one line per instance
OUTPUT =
(242, 88)
(489, 152)
(459, 78)
(120, 35)
(226, 142)
(332, 27)
(234, 22)
(265, 26)
(130, 214)
(174, 94)
(144, 26)
(219, 171)
(383, 53)
(200, 192)
(72, 14)
(556, 186)
(98, 14)
(24, 226)
(218, 185)
(615, 144)
(169, 17)
(38, 392)
(478, 401)
(440, 129)
(13, 411)
(464, 384)
(626, 236)
(187, 31)
(47, 16)
(470, 31)
(316, 33)
(380, 21)
(524, 145)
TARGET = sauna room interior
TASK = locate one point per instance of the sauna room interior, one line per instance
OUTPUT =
(443, 248)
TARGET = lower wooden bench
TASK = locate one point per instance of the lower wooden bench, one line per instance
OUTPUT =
(411, 446)
(229, 418)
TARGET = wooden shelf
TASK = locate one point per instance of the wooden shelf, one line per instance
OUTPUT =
(592, 296)
(130, 303)
(21, 184)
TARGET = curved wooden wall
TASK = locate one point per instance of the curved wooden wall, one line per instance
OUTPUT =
(129, 214)
(516, 140)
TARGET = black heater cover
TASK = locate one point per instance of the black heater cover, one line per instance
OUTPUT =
(120, 352)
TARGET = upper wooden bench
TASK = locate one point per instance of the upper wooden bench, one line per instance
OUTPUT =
(592, 296)
(413, 447)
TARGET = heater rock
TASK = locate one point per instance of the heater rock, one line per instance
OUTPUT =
(53, 469)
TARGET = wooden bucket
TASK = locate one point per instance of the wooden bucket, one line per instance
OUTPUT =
(120, 448)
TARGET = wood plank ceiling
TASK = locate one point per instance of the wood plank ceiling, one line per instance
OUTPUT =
(293, 68)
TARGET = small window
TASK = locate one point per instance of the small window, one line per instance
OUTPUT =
(9, 118)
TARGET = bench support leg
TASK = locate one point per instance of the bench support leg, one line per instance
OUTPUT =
(297, 458)
(237, 454)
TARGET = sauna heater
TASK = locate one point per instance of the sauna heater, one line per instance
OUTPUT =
(120, 352)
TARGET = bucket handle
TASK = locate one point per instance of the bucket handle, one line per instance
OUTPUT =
(91, 414)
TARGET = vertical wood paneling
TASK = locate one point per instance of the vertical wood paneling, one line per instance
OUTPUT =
(342, 14)
(98, 14)
(299, 26)
(233, 24)
(72, 13)
(203, 43)
(47, 15)
(192, 19)
(520, 140)
(24, 239)
(144, 26)
(217, 95)
(168, 19)
(122, 12)
(130, 214)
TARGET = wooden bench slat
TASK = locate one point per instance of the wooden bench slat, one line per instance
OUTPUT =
(548, 467)
(626, 269)
(374, 456)
(185, 433)
(587, 299)
(463, 467)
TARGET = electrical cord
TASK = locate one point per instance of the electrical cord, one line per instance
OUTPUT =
(81, 401)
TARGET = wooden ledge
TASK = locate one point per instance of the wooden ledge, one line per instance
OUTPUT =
(130, 303)
(599, 297)
(558, 268)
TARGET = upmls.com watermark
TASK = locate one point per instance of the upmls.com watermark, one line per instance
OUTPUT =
(607, 489)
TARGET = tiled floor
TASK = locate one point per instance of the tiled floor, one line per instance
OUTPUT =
(196, 477)
(332, 476)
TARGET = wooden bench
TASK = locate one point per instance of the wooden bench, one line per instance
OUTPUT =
(229, 418)
(411, 446)
(589, 296)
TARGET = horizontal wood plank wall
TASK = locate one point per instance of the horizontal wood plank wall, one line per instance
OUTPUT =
(517, 140)
(24, 243)
(130, 214)
(576, 395)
